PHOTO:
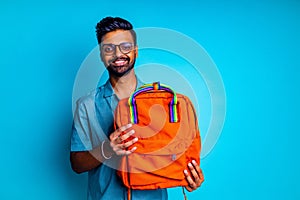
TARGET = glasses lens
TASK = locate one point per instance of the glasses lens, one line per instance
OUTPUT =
(126, 47)
(108, 48)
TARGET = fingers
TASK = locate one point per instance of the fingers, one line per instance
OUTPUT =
(124, 145)
(193, 178)
(121, 149)
(195, 170)
(125, 127)
(130, 142)
(120, 131)
(120, 140)
(125, 136)
(190, 181)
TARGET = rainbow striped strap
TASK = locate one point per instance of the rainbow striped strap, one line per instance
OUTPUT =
(148, 87)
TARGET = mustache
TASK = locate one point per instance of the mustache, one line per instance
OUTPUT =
(119, 58)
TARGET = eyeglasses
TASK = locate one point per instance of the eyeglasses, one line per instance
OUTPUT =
(124, 47)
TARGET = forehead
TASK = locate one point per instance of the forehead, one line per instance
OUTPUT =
(117, 36)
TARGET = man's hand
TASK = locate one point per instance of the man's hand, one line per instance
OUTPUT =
(118, 137)
(195, 177)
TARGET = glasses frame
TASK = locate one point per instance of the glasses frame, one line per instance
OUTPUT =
(114, 46)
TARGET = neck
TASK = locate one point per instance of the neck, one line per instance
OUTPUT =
(125, 85)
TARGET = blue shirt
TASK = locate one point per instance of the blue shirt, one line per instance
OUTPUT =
(93, 123)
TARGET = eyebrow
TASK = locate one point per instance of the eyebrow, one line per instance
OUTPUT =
(117, 44)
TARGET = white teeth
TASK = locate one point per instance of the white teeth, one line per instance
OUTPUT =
(120, 62)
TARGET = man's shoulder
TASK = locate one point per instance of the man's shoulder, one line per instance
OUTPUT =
(90, 96)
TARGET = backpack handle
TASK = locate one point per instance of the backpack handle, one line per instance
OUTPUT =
(148, 87)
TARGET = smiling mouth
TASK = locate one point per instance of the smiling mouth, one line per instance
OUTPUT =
(120, 62)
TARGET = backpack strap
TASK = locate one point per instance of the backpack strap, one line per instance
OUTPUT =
(184, 195)
(129, 193)
(150, 87)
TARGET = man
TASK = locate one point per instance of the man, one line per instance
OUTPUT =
(94, 140)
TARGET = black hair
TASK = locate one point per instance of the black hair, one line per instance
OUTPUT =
(109, 24)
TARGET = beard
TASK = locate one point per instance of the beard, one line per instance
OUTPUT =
(120, 66)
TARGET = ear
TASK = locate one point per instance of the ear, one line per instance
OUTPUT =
(101, 57)
(100, 53)
(136, 51)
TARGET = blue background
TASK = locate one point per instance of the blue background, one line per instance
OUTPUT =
(255, 45)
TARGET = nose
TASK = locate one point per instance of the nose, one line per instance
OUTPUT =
(118, 52)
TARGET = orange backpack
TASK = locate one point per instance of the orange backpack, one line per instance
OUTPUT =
(167, 128)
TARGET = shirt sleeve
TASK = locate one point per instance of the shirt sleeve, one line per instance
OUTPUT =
(81, 137)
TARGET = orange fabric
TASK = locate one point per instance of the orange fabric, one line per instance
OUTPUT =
(164, 148)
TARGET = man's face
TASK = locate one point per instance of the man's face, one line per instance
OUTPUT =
(118, 52)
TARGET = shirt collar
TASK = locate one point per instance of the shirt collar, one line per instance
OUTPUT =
(109, 91)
